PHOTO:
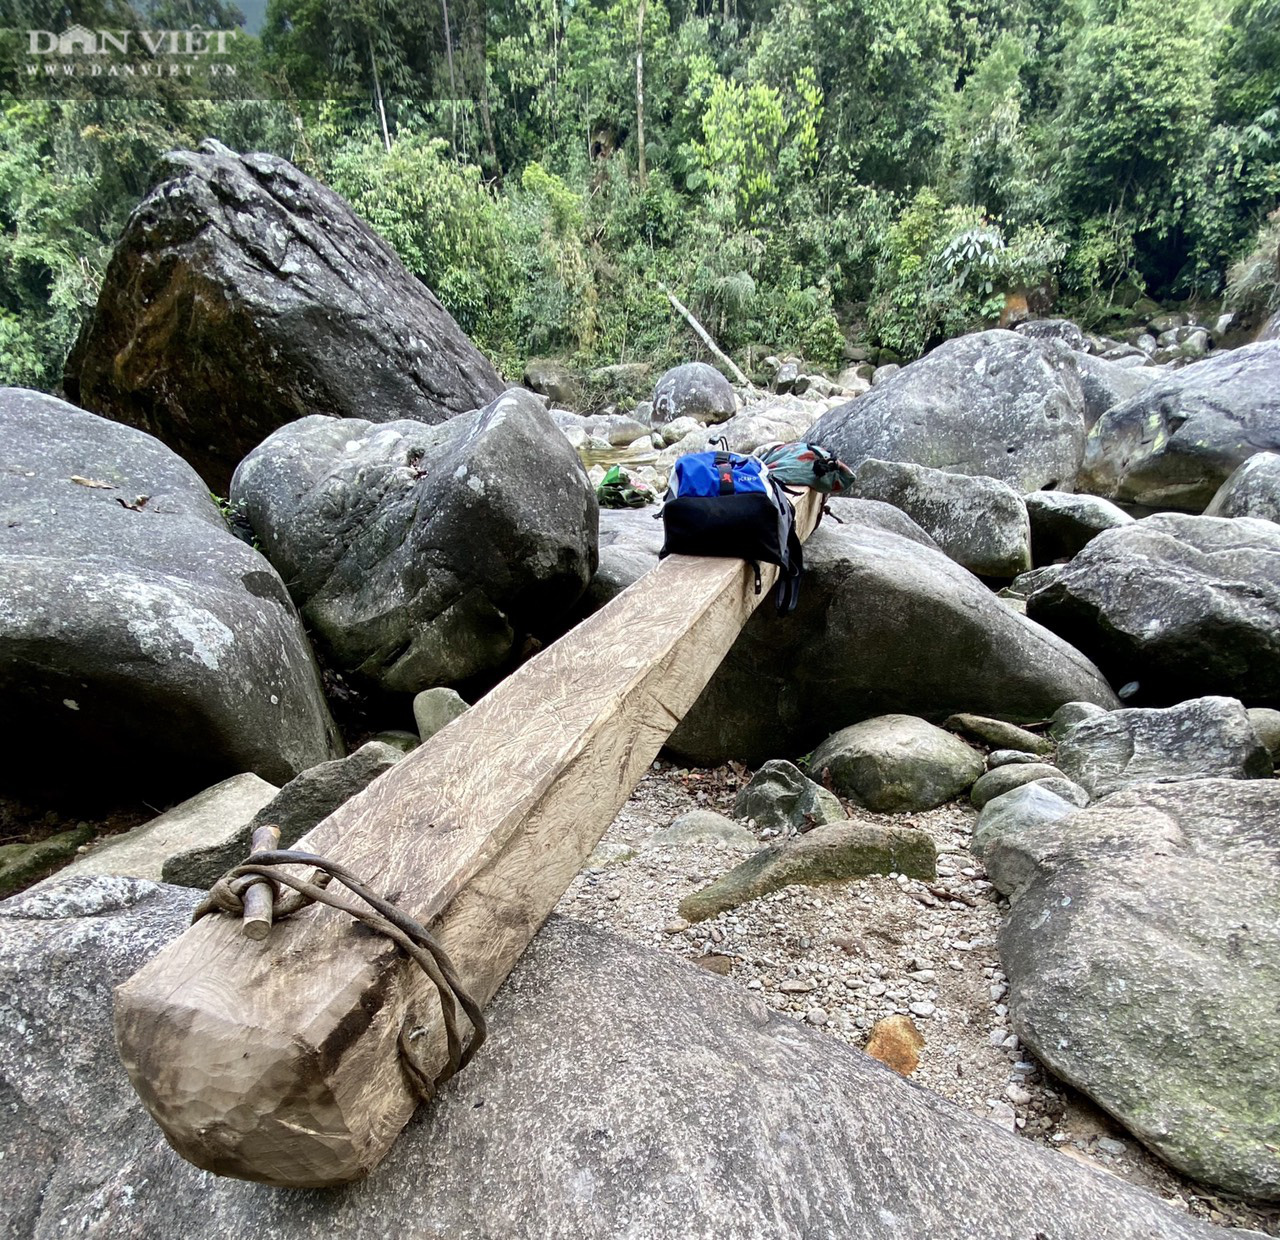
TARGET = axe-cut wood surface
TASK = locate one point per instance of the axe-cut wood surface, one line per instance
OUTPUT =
(279, 1060)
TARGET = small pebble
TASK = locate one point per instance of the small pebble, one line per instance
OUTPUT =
(816, 1016)
(1017, 1095)
(1109, 1145)
(922, 1009)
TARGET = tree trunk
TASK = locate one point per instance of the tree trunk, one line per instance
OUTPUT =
(377, 94)
(640, 165)
(453, 85)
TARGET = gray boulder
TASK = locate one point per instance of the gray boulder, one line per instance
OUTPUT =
(630, 540)
(302, 803)
(552, 379)
(1143, 934)
(434, 709)
(1186, 606)
(581, 1140)
(139, 639)
(832, 853)
(243, 295)
(896, 764)
(1270, 330)
(1001, 779)
(1204, 738)
(1106, 384)
(1266, 723)
(998, 733)
(885, 625)
(780, 796)
(694, 390)
(993, 403)
(612, 428)
(1252, 490)
(1175, 444)
(422, 555)
(980, 523)
(702, 826)
(1062, 525)
(1019, 809)
(1010, 757)
(1069, 714)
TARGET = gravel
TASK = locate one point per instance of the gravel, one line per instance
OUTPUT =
(843, 956)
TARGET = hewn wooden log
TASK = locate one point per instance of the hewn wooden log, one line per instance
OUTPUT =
(279, 1061)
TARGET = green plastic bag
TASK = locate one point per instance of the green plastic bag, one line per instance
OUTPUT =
(617, 490)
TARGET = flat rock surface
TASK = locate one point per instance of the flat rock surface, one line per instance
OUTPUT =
(242, 295)
(620, 1093)
(218, 816)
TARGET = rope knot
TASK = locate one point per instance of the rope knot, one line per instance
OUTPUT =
(227, 895)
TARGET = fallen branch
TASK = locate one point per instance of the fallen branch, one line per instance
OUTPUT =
(705, 336)
(943, 894)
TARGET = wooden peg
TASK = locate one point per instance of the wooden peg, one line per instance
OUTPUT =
(259, 899)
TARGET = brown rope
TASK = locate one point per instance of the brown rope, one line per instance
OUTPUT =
(227, 896)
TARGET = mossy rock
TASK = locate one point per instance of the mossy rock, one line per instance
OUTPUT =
(22, 864)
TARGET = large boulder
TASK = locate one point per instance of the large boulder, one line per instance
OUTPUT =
(694, 390)
(243, 295)
(1185, 606)
(1201, 739)
(896, 764)
(1143, 954)
(885, 625)
(1106, 384)
(423, 555)
(620, 1092)
(1175, 444)
(979, 522)
(141, 643)
(993, 403)
(1252, 490)
(1063, 524)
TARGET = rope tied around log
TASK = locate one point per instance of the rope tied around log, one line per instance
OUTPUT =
(232, 892)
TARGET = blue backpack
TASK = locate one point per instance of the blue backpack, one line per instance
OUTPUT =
(726, 504)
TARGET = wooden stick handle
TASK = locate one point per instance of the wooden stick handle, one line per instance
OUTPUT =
(260, 898)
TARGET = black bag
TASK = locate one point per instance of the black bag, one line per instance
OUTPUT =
(725, 504)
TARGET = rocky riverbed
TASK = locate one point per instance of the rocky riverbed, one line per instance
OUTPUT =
(843, 956)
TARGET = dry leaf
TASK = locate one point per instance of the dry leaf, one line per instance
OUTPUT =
(92, 482)
(137, 504)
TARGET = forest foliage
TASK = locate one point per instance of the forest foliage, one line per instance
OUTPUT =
(810, 170)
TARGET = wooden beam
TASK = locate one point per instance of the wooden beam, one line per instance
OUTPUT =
(279, 1060)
